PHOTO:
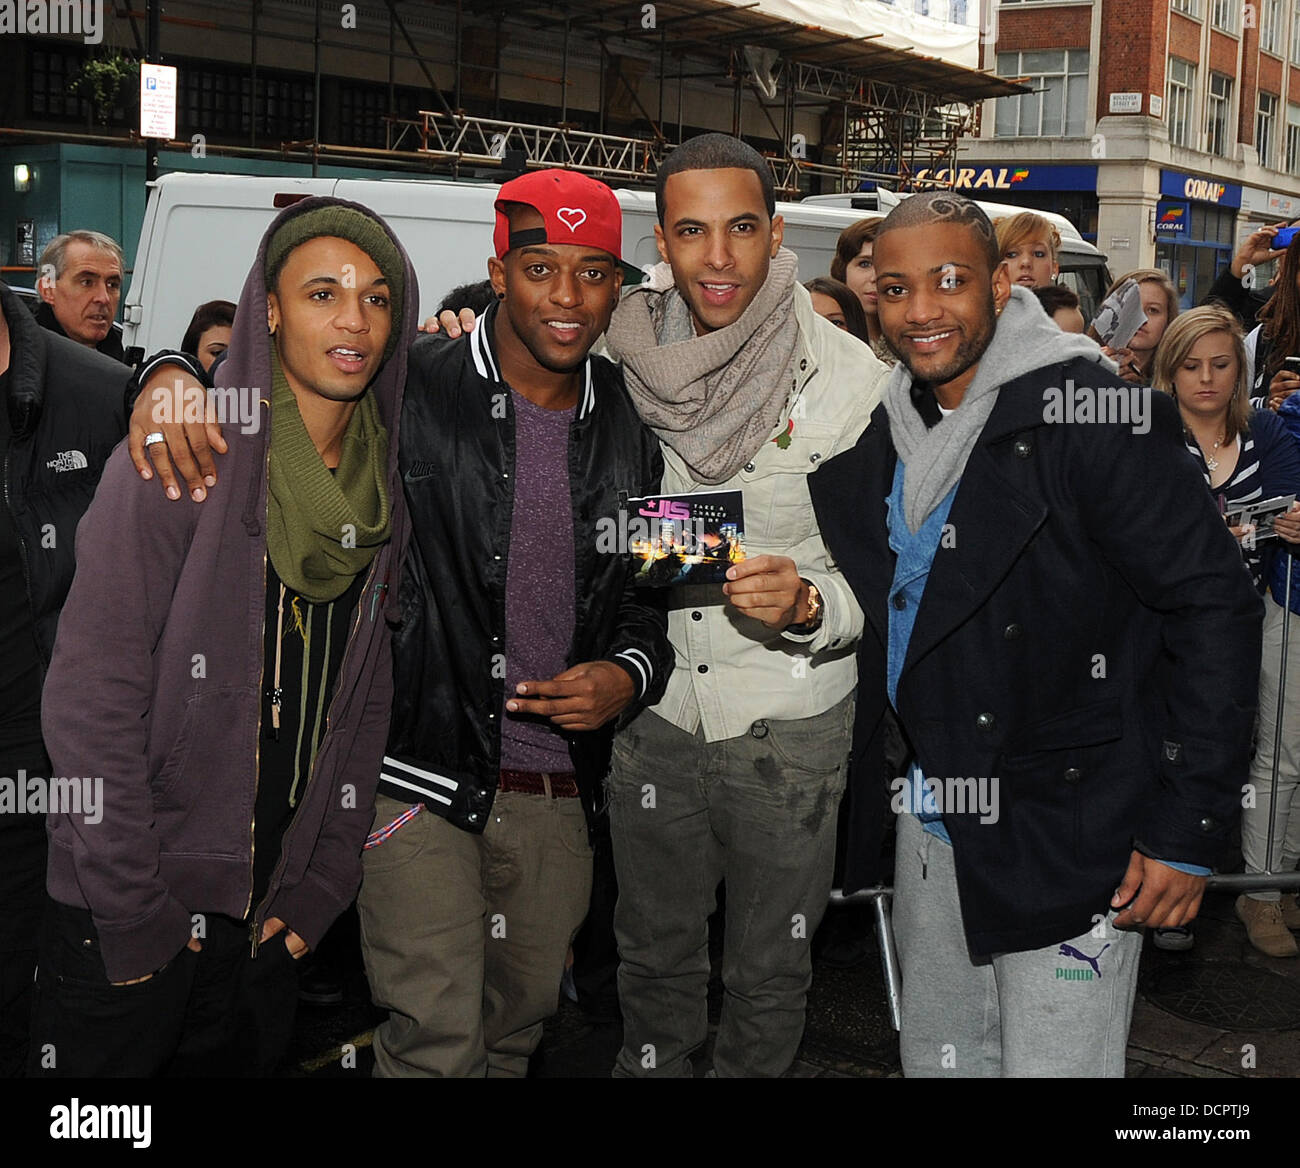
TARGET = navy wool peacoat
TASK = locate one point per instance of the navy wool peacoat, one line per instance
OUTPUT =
(1087, 647)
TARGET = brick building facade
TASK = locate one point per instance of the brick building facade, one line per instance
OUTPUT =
(1166, 129)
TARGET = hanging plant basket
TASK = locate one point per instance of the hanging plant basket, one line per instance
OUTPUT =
(108, 82)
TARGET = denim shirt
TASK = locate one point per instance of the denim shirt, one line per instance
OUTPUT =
(915, 557)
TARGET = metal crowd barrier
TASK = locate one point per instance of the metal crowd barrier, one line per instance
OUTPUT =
(1268, 879)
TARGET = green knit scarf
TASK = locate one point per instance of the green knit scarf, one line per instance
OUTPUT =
(323, 529)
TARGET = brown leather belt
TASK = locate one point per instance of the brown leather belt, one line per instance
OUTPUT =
(554, 784)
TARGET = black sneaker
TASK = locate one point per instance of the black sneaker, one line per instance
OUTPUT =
(318, 984)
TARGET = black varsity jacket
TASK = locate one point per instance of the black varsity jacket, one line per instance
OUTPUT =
(457, 460)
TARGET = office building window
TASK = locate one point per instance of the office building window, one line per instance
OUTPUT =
(1191, 7)
(1223, 14)
(1265, 118)
(1270, 25)
(1218, 108)
(1292, 138)
(50, 93)
(1178, 102)
(1059, 108)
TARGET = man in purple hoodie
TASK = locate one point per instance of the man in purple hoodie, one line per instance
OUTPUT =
(222, 680)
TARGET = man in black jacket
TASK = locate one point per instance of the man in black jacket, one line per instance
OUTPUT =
(1061, 621)
(61, 413)
(80, 288)
(523, 639)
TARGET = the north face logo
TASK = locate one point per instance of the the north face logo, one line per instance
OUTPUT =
(68, 460)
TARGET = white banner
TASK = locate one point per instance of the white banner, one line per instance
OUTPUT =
(950, 31)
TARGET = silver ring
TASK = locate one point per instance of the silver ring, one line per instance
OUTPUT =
(156, 436)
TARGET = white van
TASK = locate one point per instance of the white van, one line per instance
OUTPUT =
(201, 232)
(1083, 267)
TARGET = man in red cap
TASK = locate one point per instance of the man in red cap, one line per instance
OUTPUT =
(520, 644)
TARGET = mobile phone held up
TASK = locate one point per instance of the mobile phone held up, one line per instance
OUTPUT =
(1284, 237)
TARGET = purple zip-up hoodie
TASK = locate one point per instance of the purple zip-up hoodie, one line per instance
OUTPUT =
(156, 680)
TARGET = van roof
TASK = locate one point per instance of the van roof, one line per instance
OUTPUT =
(804, 212)
(885, 201)
(814, 210)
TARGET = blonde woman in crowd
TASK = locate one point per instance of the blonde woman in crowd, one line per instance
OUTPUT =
(1247, 455)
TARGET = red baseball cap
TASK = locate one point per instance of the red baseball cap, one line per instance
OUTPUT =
(573, 207)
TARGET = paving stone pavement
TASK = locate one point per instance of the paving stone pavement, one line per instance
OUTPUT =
(848, 1032)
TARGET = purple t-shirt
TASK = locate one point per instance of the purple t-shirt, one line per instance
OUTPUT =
(539, 581)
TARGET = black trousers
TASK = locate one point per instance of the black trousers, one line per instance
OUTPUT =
(595, 950)
(219, 1012)
(22, 903)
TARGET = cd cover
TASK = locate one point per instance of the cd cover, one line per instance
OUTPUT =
(685, 539)
(1260, 516)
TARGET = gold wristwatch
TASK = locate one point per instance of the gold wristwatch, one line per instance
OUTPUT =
(813, 623)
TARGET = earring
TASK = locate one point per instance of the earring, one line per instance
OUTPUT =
(501, 295)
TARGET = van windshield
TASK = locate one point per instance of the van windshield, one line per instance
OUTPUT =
(1086, 276)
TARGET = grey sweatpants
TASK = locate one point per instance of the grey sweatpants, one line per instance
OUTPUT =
(1060, 1011)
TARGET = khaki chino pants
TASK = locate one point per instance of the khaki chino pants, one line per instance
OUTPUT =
(465, 935)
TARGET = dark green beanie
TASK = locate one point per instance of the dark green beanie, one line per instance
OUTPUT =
(344, 223)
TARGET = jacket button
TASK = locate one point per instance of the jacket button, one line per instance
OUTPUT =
(985, 721)
(803, 364)
(697, 616)
(900, 601)
(1023, 448)
(749, 466)
(1208, 824)
(1073, 774)
(702, 668)
(472, 817)
(1012, 631)
(497, 558)
(815, 457)
(759, 729)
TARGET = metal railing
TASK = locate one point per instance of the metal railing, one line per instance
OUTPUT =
(486, 141)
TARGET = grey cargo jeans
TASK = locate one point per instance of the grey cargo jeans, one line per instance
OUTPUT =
(758, 811)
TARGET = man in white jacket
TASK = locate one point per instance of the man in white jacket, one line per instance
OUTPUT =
(736, 775)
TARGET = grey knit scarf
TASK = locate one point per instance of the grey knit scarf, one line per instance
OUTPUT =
(715, 399)
(1026, 338)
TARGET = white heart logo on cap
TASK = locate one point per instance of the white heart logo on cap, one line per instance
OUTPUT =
(571, 217)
